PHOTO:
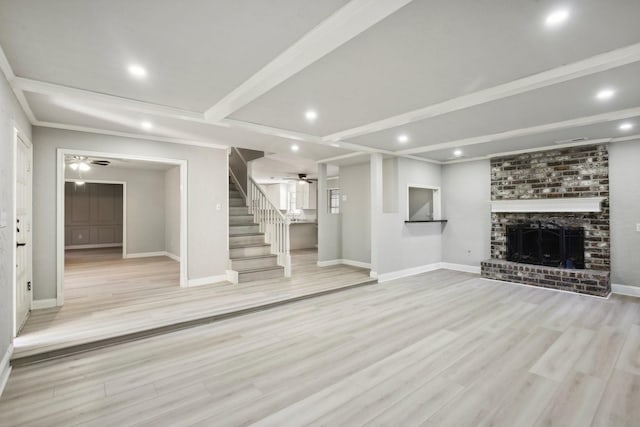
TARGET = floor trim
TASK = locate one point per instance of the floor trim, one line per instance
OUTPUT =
(5, 368)
(398, 274)
(350, 262)
(146, 254)
(134, 336)
(628, 290)
(40, 304)
(209, 280)
(172, 256)
(461, 267)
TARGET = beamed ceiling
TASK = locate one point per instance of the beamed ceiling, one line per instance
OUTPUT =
(422, 78)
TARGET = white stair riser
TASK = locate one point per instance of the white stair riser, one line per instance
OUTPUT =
(252, 263)
(260, 275)
(249, 251)
(245, 240)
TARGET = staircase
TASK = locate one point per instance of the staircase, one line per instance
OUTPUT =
(249, 254)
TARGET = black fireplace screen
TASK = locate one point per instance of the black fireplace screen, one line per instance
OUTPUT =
(546, 244)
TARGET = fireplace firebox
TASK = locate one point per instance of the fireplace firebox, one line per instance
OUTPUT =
(546, 244)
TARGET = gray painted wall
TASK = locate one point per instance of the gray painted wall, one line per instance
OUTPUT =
(11, 115)
(466, 194)
(355, 212)
(329, 225)
(410, 245)
(172, 211)
(207, 186)
(624, 187)
(145, 204)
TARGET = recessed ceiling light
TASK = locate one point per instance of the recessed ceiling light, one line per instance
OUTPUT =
(311, 115)
(335, 144)
(457, 152)
(403, 139)
(83, 167)
(626, 126)
(557, 17)
(137, 71)
(146, 125)
(605, 94)
(295, 147)
(79, 183)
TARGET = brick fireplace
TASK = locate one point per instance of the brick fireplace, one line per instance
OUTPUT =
(560, 180)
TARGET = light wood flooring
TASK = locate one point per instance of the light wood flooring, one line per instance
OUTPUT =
(107, 296)
(438, 349)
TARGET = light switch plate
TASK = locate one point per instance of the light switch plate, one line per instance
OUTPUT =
(218, 206)
(3, 218)
(638, 228)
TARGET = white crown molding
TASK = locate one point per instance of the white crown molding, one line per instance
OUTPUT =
(11, 77)
(346, 23)
(218, 144)
(595, 64)
(547, 127)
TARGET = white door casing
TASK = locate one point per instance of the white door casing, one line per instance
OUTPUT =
(23, 235)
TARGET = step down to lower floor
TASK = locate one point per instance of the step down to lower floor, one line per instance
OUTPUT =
(161, 330)
(262, 273)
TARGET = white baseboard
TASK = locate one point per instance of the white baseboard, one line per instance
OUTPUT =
(172, 256)
(329, 263)
(350, 262)
(39, 304)
(207, 280)
(146, 254)
(460, 267)
(632, 291)
(5, 368)
(385, 277)
(359, 264)
(95, 246)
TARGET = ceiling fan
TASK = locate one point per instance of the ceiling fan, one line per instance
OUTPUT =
(82, 163)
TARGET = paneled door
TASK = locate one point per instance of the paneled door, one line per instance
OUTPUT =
(23, 233)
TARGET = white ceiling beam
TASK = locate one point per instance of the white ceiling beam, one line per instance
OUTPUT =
(595, 64)
(11, 77)
(217, 144)
(349, 21)
(51, 89)
(533, 130)
(546, 148)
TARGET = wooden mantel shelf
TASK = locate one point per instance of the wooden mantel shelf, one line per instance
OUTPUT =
(572, 204)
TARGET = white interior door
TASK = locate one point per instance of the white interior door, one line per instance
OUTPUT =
(23, 233)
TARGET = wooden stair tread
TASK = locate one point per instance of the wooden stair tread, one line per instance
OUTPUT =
(248, 245)
(253, 257)
(259, 269)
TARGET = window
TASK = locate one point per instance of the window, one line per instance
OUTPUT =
(334, 201)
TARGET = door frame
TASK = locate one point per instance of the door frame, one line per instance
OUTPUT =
(19, 135)
(124, 205)
(60, 180)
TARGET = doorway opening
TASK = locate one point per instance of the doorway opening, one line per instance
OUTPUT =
(121, 226)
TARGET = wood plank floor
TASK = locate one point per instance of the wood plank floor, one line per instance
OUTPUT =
(438, 349)
(107, 296)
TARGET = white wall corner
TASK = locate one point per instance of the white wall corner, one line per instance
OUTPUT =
(232, 276)
(461, 267)
(385, 277)
(5, 368)
(209, 280)
(632, 291)
(39, 304)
